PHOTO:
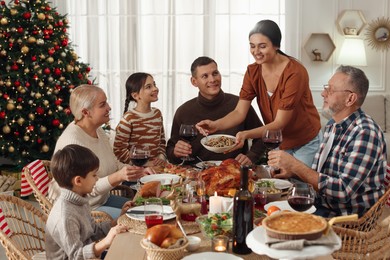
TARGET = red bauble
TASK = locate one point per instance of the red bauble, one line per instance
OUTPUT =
(20, 99)
(60, 23)
(17, 83)
(35, 77)
(45, 32)
(46, 71)
(57, 47)
(55, 122)
(57, 71)
(51, 51)
(5, 96)
(20, 30)
(64, 42)
(58, 87)
(89, 82)
(64, 30)
(58, 102)
(2, 114)
(80, 76)
(30, 128)
(67, 111)
(27, 84)
(11, 45)
(39, 140)
(34, 58)
(14, 67)
(26, 15)
(16, 133)
(16, 2)
(88, 69)
(35, 32)
(71, 86)
(2, 2)
(47, 8)
(40, 110)
(46, 37)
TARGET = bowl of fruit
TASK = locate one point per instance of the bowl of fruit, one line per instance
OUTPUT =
(215, 224)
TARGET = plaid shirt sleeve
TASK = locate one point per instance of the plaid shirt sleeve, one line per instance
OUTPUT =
(353, 175)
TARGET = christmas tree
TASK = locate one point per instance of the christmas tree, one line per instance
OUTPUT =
(38, 70)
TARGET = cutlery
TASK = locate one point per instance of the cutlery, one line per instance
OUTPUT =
(181, 228)
(143, 212)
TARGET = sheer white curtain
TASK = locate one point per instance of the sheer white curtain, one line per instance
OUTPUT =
(163, 37)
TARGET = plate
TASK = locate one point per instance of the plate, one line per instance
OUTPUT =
(217, 149)
(164, 178)
(206, 164)
(283, 205)
(279, 183)
(212, 255)
(256, 241)
(141, 217)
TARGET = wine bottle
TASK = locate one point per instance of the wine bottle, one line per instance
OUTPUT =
(242, 215)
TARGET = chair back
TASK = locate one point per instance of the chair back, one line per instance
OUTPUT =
(27, 228)
(42, 199)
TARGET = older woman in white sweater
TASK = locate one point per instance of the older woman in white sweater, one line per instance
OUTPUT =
(89, 106)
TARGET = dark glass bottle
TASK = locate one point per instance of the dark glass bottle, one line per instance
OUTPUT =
(242, 215)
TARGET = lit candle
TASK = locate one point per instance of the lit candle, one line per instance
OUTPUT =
(220, 243)
(215, 204)
(220, 248)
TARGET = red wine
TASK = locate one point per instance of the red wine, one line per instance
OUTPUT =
(242, 215)
(188, 138)
(271, 144)
(299, 203)
(139, 160)
(260, 200)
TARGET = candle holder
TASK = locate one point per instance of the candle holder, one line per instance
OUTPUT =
(220, 244)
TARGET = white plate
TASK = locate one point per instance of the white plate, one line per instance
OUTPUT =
(212, 255)
(206, 164)
(283, 205)
(216, 149)
(279, 183)
(164, 178)
(256, 241)
(141, 217)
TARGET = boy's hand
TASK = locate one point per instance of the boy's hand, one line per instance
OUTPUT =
(127, 206)
(107, 241)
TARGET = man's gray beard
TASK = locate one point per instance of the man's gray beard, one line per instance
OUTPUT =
(327, 113)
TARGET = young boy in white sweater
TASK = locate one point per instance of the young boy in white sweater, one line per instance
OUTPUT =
(71, 233)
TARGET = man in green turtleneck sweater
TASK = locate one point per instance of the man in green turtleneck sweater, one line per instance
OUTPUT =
(211, 103)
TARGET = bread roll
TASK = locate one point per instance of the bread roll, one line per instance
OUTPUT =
(168, 242)
(150, 189)
(176, 233)
(158, 233)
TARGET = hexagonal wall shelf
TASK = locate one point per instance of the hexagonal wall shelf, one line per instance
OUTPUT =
(351, 22)
(319, 47)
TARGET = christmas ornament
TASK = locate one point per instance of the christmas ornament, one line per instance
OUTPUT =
(38, 95)
(27, 15)
(34, 58)
(74, 55)
(55, 122)
(30, 128)
(41, 16)
(57, 71)
(26, 70)
(20, 30)
(26, 138)
(50, 59)
(31, 39)
(10, 106)
(45, 148)
(3, 53)
(14, 67)
(63, 54)
(40, 41)
(46, 71)
(46, 102)
(3, 21)
(11, 149)
(40, 110)
(2, 114)
(21, 121)
(6, 129)
(13, 11)
(24, 49)
(19, 107)
(69, 68)
(31, 116)
(41, 84)
(43, 129)
(58, 102)
(16, 133)
(61, 126)
(8, 83)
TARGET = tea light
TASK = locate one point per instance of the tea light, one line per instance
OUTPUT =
(220, 243)
(215, 204)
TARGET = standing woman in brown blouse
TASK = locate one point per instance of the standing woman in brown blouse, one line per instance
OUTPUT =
(280, 85)
(143, 124)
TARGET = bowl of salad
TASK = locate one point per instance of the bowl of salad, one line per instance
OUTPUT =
(215, 224)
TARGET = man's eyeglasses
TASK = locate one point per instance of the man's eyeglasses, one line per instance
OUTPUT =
(330, 91)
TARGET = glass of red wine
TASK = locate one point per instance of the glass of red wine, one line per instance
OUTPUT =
(301, 196)
(153, 212)
(188, 133)
(139, 156)
(272, 138)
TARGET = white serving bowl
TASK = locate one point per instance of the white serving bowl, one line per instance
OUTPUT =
(223, 149)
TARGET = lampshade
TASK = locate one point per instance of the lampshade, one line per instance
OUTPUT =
(352, 52)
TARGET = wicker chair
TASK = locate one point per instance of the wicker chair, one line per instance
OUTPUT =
(46, 204)
(365, 238)
(27, 225)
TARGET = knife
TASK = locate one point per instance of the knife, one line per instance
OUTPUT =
(143, 212)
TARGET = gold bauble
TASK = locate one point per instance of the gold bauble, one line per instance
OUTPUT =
(50, 59)
(6, 129)
(19, 107)
(46, 102)
(1, 82)
(8, 83)
(11, 149)
(41, 16)
(61, 126)
(19, 41)
(10, 106)
(19, 61)
(40, 41)
(3, 53)
(76, 68)
(69, 68)
(24, 49)
(45, 148)
(14, 12)
(41, 84)
(62, 78)
(4, 21)
(26, 70)
(74, 55)
(50, 112)
(50, 27)
(21, 121)
(31, 116)
(26, 138)
(42, 56)
(22, 90)
(31, 39)
(60, 108)
(38, 95)
(43, 129)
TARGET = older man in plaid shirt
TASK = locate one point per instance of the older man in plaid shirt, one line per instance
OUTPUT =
(349, 169)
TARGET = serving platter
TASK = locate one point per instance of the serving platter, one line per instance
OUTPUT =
(206, 164)
(283, 205)
(223, 149)
(167, 210)
(256, 241)
(164, 178)
(279, 183)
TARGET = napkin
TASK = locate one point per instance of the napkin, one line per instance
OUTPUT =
(299, 244)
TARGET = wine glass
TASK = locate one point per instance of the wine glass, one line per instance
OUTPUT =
(301, 196)
(153, 212)
(139, 156)
(188, 133)
(272, 138)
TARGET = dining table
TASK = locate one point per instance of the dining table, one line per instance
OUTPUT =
(127, 245)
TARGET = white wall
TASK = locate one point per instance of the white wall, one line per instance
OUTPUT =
(305, 17)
